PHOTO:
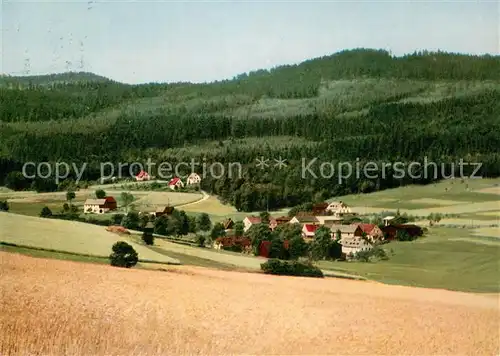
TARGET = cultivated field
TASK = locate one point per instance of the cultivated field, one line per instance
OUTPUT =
(219, 212)
(59, 307)
(467, 201)
(68, 236)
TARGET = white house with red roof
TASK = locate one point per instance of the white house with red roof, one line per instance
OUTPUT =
(308, 230)
(175, 183)
(372, 231)
(193, 178)
(143, 175)
(249, 221)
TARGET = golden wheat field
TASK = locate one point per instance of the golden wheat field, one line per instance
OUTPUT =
(55, 307)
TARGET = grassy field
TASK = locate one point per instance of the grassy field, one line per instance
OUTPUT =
(55, 307)
(69, 236)
(219, 212)
(448, 258)
(467, 201)
(31, 203)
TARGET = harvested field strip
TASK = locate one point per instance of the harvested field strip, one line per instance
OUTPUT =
(91, 258)
(48, 302)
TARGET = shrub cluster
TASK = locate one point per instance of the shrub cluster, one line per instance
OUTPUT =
(291, 268)
(124, 255)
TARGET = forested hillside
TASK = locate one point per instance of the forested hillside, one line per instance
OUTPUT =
(360, 104)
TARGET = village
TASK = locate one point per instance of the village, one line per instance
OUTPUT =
(344, 225)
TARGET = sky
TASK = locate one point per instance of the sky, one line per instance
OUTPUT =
(169, 41)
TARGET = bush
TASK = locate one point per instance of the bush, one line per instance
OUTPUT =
(148, 238)
(46, 212)
(4, 206)
(200, 240)
(291, 268)
(117, 219)
(376, 253)
(123, 255)
(100, 194)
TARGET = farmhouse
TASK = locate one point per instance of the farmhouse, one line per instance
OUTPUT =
(193, 178)
(328, 220)
(236, 243)
(175, 183)
(346, 231)
(304, 219)
(387, 220)
(228, 224)
(372, 231)
(249, 221)
(142, 176)
(338, 208)
(391, 231)
(99, 206)
(163, 210)
(275, 222)
(308, 231)
(354, 244)
(320, 209)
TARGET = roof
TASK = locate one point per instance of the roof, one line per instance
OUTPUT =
(194, 175)
(310, 227)
(320, 206)
(149, 225)
(142, 174)
(353, 241)
(174, 181)
(283, 218)
(95, 202)
(389, 218)
(306, 218)
(366, 228)
(231, 241)
(110, 199)
(228, 223)
(333, 203)
(254, 219)
(348, 229)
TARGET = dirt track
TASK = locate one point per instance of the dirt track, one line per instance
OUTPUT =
(56, 307)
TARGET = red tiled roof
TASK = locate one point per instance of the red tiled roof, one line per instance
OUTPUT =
(367, 228)
(231, 241)
(110, 200)
(254, 219)
(310, 227)
(142, 174)
(174, 181)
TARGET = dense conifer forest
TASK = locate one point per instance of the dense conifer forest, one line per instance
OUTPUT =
(354, 106)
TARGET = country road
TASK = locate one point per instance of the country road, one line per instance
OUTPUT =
(205, 197)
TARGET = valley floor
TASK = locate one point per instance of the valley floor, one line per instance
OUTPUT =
(62, 307)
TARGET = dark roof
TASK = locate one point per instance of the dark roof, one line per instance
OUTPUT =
(320, 206)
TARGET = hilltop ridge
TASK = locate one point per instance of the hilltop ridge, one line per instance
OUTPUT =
(360, 103)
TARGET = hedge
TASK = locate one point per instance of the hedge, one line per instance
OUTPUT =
(290, 268)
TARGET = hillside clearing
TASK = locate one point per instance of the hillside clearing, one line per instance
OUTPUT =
(69, 236)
